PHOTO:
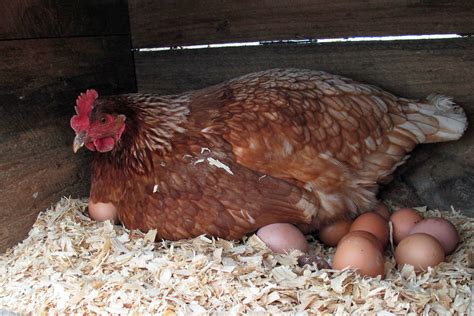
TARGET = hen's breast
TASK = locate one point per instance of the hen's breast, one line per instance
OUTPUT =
(201, 189)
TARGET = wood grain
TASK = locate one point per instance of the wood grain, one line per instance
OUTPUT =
(24, 19)
(438, 175)
(92, 17)
(188, 22)
(40, 80)
(28, 19)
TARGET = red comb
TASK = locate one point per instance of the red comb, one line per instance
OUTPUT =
(85, 102)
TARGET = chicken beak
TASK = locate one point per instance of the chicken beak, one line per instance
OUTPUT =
(78, 141)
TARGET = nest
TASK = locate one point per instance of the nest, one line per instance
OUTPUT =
(71, 264)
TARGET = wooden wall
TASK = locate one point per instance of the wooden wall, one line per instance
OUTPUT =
(188, 22)
(50, 51)
(438, 175)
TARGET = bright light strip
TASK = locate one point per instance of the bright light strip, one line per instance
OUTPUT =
(389, 38)
(156, 49)
(310, 41)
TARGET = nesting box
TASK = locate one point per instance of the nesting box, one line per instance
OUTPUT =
(50, 51)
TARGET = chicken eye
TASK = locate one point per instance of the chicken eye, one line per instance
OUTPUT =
(103, 120)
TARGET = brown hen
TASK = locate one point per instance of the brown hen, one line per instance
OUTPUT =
(284, 145)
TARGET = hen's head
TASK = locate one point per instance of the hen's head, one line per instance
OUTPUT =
(96, 128)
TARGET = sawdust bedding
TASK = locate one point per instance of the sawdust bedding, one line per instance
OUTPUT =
(71, 264)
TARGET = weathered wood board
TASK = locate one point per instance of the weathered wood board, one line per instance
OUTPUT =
(23, 19)
(51, 51)
(40, 81)
(172, 23)
(438, 175)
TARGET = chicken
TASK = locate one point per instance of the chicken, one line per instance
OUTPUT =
(284, 145)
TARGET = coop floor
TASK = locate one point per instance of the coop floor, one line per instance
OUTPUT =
(70, 264)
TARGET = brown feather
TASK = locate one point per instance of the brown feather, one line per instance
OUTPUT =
(284, 145)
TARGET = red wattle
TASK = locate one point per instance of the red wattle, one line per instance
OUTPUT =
(90, 146)
(104, 144)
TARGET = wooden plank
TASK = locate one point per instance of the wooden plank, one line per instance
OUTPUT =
(40, 80)
(188, 22)
(92, 17)
(28, 19)
(411, 69)
(55, 18)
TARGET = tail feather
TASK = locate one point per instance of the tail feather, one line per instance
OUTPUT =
(438, 118)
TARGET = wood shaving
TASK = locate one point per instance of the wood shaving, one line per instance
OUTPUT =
(71, 264)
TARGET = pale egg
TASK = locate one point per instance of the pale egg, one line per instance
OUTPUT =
(441, 229)
(283, 238)
(103, 211)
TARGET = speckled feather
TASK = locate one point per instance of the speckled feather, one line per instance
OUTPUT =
(284, 145)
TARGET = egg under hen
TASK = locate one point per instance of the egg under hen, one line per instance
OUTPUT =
(280, 146)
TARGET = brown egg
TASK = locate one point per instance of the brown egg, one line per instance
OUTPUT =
(282, 238)
(403, 221)
(332, 233)
(373, 223)
(420, 250)
(102, 211)
(364, 234)
(360, 253)
(441, 229)
(382, 209)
